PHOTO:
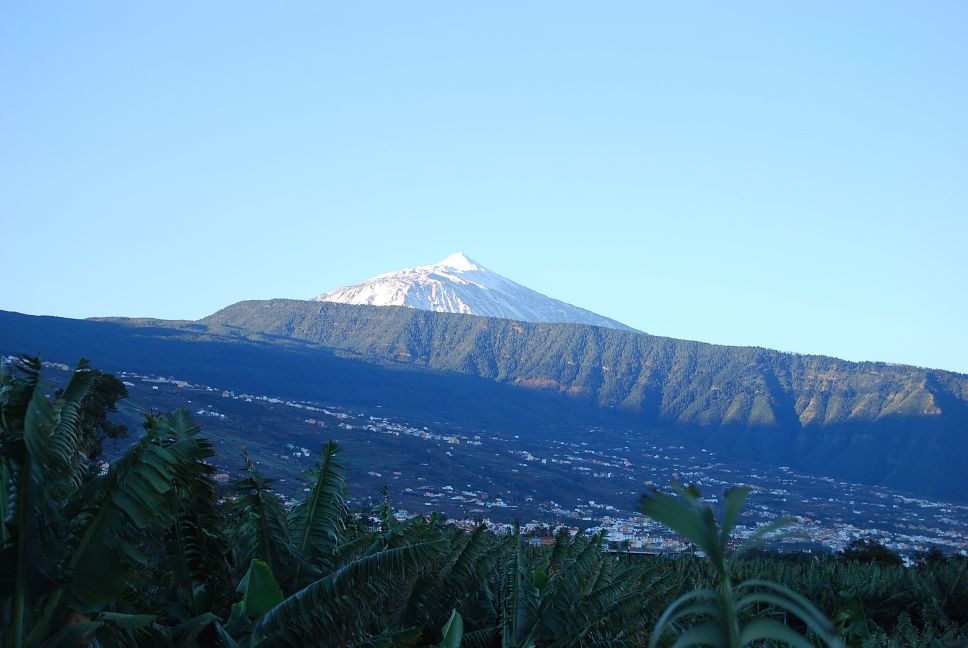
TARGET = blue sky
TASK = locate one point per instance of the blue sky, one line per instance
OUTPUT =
(788, 175)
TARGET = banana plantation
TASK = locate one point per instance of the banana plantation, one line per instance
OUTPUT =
(151, 551)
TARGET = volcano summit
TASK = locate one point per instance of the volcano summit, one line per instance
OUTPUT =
(458, 284)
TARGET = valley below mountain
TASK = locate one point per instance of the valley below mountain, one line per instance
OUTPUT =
(577, 474)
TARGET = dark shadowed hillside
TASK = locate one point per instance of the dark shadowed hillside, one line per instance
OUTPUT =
(901, 426)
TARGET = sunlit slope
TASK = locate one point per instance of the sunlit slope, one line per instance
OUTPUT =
(665, 378)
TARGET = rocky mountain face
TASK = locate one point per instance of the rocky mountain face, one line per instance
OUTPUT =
(459, 284)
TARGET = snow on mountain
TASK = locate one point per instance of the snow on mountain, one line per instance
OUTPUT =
(459, 284)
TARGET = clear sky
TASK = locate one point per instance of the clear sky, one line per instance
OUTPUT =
(788, 175)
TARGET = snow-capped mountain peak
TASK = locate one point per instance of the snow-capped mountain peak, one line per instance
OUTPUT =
(460, 261)
(458, 284)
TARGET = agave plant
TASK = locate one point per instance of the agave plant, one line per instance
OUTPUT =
(731, 615)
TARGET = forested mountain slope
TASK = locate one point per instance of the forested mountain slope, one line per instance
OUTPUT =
(901, 426)
(665, 378)
(893, 424)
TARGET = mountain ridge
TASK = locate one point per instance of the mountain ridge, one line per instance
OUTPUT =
(875, 422)
(410, 337)
(896, 425)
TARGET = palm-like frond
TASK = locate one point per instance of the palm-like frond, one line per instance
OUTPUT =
(40, 459)
(341, 603)
(614, 610)
(259, 527)
(318, 520)
(471, 564)
(204, 630)
(114, 515)
(120, 509)
(518, 595)
(755, 592)
(50, 435)
(565, 588)
(453, 632)
(573, 595)
(410, 638)
(688, 515)
(479, 638)
(113, 630)
(451, 580)
(196, 545)
(713, 617)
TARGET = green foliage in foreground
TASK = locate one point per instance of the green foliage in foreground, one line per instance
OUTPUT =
(731, 614)
(150, 553)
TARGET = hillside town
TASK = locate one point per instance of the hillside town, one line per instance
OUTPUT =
(613, 468)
